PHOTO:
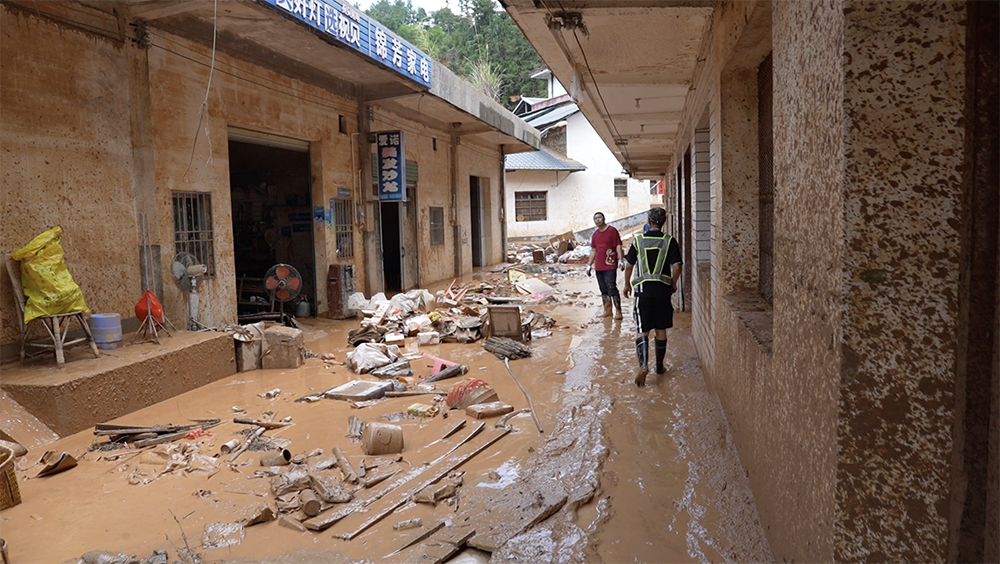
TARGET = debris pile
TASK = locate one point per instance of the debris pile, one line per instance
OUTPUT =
(563, 249)
(461, 313)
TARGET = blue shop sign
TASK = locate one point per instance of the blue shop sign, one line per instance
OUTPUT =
(345, 23)
(391, 166)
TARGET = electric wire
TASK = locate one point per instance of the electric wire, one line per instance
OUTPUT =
(208, 89)
(597, 87)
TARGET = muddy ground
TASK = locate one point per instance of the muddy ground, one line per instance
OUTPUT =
(620, 474)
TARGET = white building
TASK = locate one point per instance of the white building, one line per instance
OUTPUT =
(575, 175)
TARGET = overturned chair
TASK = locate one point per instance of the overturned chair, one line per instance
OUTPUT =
(57, 325)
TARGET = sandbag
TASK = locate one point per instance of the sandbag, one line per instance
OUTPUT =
(46, 281)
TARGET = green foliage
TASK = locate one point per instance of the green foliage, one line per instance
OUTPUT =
(480, 43)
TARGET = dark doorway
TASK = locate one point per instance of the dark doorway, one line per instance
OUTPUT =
(476, 225)
(271, 196)
(392, 260)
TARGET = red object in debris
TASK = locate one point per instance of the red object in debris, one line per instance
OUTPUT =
(146, 304)
(439, 363)
(197, 434)
(470, 392)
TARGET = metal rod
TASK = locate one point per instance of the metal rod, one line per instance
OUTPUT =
(506, 362)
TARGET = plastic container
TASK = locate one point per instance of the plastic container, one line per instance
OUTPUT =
(382, 438)
(107, 329)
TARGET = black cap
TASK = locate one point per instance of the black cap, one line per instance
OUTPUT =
(657, 217)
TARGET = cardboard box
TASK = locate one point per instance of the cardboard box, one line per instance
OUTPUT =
(284, 348)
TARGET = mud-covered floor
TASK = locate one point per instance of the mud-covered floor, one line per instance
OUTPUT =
(628, 474)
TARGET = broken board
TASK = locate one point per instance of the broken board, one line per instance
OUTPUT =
(359, 390)
(505, 321)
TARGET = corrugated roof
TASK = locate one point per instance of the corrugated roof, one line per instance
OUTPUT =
(546, 116)
(541, 160)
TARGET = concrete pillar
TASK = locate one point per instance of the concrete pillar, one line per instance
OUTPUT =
(904, 103)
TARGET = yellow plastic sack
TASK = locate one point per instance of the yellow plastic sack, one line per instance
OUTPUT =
(45, 279)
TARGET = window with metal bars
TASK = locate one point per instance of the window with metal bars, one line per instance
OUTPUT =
(193, 227)
(765, 151)
(343, 227)
(530, 206)
(621, 187)
(437, 225)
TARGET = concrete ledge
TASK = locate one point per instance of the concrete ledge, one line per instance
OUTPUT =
(756, 315)
(87, 391)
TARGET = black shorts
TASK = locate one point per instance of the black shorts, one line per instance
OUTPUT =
(652, 307)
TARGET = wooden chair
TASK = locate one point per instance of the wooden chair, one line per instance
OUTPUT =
(56, 325)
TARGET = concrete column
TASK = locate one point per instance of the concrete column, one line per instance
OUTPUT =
(371, 258)
(456, 223)
(904, 107)
(147, 210)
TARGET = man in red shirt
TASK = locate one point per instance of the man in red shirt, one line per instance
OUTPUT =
(605, 257)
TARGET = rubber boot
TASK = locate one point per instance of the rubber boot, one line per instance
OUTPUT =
(642, 351)
(617, 301)
(661, 351)
(607, 306)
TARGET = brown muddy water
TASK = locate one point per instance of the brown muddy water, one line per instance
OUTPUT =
(628, 474)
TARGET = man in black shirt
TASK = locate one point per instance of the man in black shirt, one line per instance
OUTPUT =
(652, 252)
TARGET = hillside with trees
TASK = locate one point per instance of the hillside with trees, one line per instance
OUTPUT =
(479, 43)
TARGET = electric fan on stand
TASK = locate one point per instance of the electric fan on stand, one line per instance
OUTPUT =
(282, 282)
(186, 271)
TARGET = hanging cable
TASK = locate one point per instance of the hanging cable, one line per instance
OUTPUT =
(597, 88)
(208, 89)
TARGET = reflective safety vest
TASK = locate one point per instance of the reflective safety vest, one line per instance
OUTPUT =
(656, 272)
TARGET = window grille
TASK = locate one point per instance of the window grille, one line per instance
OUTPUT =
(621, 187)
(193, 227)
(530, 206)
(343, 225)
(766, 166)
(437, 225)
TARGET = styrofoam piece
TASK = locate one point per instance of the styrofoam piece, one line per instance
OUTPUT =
(359, 390)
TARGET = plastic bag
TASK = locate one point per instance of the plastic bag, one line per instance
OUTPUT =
(369, 356)
(154, 306)
(45, 279)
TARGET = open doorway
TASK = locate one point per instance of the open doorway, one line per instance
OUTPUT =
(392, 247)
(270, 184)
(476, 223)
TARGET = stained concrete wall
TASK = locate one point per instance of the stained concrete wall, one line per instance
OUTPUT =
(67, 155)
(904, 97)
(840, 397)
(483, 162)
(238, 97)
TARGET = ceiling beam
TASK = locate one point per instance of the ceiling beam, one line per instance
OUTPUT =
(389, 91)
(150, 10)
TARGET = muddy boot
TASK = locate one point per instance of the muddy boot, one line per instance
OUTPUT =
(607, 306)
(617, 301)
(642, 351)
(661, 351)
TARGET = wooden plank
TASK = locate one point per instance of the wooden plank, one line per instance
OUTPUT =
(417, 539)
(448, 466)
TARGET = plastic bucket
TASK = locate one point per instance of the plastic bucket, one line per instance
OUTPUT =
(107, 329)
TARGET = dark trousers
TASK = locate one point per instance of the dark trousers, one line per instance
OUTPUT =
(606, 282)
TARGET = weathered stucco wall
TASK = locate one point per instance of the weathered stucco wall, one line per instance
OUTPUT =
(477, 160)
(904, 102)
(286, 107)
(67, 157)
(844, 420)
(775, 370)
(808, 176)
